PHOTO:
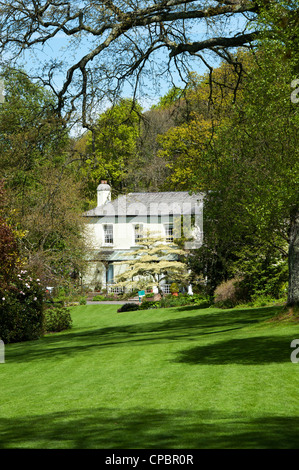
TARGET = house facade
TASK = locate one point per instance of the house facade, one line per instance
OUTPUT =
(115, 227)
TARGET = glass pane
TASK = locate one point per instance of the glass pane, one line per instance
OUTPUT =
(108, 234)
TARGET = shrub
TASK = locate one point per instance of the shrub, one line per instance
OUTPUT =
(21, 309)
(82, 301)
(228, 294)
(57, 319)
(147, 304)
(128, 307)
(174, 288)
(98, 298)
(149, 295)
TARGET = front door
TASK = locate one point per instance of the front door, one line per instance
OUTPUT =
(110, 274)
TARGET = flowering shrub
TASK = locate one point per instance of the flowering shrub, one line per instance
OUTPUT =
(21, 308)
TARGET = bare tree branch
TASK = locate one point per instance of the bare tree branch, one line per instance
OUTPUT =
(121, 36)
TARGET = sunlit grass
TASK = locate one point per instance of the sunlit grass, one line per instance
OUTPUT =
(167, 378)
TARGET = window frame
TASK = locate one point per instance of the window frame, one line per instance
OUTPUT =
(168, 238)
(108, 235)
(140, 227)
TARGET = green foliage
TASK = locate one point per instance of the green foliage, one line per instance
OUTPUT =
(149, 304)
(148, 296)
(21, 294)
(153, 260)
(99, 298)
(171, 97)
(8, 252)
(31, 134)
(112, 148)
(183, 300)
(129, 307)
(174, 287)
(42, 198)
(21, 308)
(57, 319)
(265, 276)
(240, 146)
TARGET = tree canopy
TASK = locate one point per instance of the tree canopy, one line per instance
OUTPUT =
(115, 42)
(42, 198)
(152, 262)
(246, 159)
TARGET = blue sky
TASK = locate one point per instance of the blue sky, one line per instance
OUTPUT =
(59, 48)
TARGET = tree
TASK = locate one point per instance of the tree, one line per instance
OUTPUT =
(21, 296)
(205, 106)
(123, 40)
(248, 164)
(111, 149)
(31, 134)
(9, 250)
(260, 148)
(153, 262)
(148, 171)
(42, 199)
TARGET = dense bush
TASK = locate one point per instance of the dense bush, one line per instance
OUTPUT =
(99, 298)
(228, 293)
(57, 319)
(185, 299)
(128, 307)
(147, 304)
(266, 281)
(21, 309)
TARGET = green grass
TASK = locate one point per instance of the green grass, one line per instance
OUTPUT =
(169, 379)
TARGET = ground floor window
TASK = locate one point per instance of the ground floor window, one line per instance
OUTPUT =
(169, 232)
(138, 229)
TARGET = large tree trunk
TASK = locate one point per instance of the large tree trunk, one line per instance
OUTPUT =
(293, 292)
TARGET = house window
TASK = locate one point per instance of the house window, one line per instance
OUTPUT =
(138, 229)
(169, 232)
(108, 234)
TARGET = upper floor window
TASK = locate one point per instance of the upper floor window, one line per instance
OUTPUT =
(108, 234)
(169, 232)
(138, 229)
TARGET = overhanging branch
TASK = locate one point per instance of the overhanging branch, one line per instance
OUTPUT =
(236, 41)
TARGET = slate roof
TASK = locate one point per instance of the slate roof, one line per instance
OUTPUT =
(158, 203)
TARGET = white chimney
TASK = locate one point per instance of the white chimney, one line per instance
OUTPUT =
(104, 193)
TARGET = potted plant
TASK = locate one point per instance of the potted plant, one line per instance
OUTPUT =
(174, 289)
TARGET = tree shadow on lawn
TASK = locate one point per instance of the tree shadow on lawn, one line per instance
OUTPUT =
(250, 350)
(104, 428)
(187, 328)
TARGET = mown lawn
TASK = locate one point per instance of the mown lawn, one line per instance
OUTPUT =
(166, 379)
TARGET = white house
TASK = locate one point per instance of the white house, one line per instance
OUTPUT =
(115, 226)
